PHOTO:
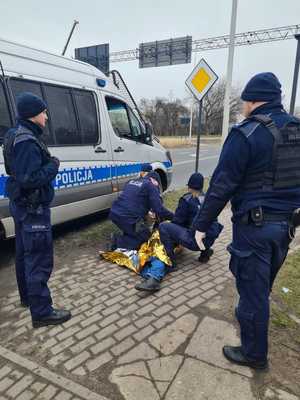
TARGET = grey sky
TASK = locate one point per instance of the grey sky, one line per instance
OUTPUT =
(124, 24)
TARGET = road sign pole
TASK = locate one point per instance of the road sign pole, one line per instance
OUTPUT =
(198, 137)
(191, 121)
(296, 73)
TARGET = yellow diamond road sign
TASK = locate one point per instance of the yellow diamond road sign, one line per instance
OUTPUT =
(201, 79)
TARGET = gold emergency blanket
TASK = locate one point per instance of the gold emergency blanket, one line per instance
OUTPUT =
(152, 248)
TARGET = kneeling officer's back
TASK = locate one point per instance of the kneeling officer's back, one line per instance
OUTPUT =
(131, 207)
(31, 170)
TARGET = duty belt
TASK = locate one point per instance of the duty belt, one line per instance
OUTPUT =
(257, 216)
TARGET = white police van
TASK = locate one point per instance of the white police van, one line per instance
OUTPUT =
(94, 128)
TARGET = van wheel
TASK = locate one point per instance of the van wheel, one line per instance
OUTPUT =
(163, 179)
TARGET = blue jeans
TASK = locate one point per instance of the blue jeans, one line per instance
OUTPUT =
(34, 258)
(257, 253)
(155, 269)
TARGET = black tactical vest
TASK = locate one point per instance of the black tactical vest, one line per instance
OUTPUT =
(284, 170)
(11, 139)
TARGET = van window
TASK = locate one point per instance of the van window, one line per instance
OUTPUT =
(20, 85)
(135, 126)
(87, 115)
(118, 115)
(63, 117)
(5, 121)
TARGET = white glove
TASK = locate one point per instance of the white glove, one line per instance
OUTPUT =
(199, 236)
(151, 215)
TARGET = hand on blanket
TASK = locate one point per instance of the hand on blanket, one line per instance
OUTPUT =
(199, 236)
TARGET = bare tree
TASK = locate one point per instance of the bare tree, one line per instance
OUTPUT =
(164, 115)
(212, 116)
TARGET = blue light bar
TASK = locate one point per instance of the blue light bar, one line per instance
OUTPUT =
(101, 82)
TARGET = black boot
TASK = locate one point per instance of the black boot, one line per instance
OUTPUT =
(55, 318)
(205, 255)
(234, 354)
(148, 285)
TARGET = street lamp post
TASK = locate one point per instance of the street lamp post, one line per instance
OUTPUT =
(229, 71)
(296, 73)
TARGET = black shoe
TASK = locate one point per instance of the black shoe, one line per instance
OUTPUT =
(234, 354)
(55, 318)
(148, 285)
(205, 255)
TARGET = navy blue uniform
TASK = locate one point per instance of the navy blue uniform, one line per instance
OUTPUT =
(131, 207)
(257, 251)
(30, 192)
(180, 231)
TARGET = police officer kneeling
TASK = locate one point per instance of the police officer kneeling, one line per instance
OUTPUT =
(31, 170)
(129, 210)
(258, 171)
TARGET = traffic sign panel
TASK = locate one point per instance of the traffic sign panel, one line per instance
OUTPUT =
(201, 79)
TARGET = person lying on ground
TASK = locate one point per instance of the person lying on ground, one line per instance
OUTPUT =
(180, 232)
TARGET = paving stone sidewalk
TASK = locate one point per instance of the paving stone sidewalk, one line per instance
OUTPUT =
(121, 345)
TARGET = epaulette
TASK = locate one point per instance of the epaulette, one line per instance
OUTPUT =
(22, 135)
(247, 127)
(187, 196)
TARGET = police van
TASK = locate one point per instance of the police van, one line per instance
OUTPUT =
(94, 128)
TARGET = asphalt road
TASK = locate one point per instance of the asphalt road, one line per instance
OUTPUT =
(184, 160)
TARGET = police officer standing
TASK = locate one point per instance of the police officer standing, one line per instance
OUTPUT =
(31, 170)
(129, 210)
(258, 171)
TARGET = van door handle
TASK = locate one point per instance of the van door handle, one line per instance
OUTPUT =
(99, 149)
(119, 150)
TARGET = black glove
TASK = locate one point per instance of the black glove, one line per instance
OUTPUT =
(55, 161)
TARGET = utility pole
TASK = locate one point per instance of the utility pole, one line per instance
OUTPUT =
(296, 73)
(69, 38)
(229, 71)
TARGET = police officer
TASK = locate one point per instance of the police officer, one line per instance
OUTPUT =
(128, 211)
(258, 171)
(31, 170)
(180, 231)
(145, 169)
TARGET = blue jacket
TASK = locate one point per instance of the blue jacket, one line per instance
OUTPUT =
(240, 156)
(32, 168)
(187, 210)
(137, 199)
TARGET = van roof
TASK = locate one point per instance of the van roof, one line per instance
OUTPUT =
(22, 60)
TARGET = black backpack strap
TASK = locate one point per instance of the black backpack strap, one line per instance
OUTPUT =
(267, 121)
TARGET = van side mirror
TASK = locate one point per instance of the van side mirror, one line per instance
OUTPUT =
(148, 132)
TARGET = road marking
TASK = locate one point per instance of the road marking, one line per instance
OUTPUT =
(59, 380)
(192, 161)
(203, 151)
